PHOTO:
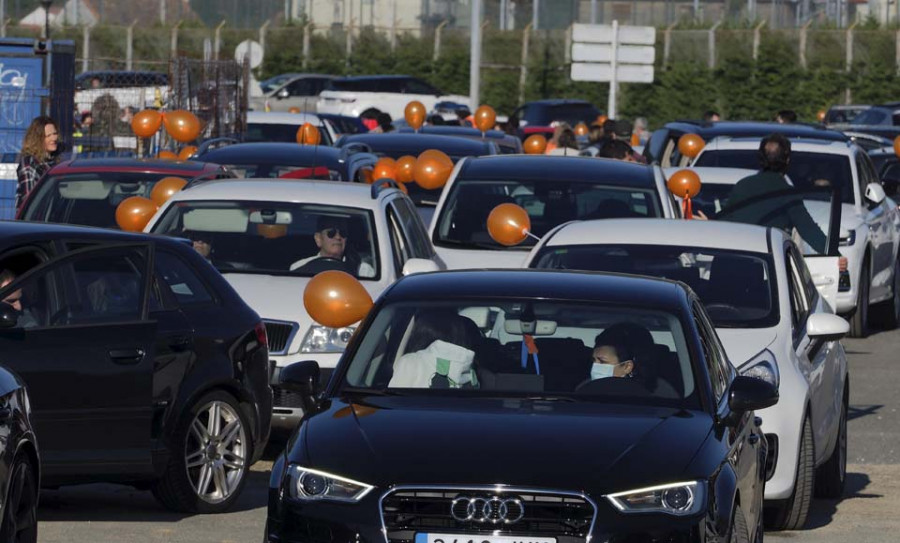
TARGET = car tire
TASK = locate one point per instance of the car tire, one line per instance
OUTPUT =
(209, 459)
(791, 514)
(739, 532)
(832, 475)
(890, 310)
(19, 523)
(859, 324)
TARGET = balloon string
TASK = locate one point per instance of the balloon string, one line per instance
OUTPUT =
(527, 233)
(687, 208)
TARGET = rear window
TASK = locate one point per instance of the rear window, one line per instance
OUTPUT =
(568, 113)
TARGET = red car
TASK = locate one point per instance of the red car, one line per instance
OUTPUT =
(87, 191)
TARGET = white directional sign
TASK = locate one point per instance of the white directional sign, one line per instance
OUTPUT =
(613, 53)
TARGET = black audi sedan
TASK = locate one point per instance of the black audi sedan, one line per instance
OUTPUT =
(20, 464)
(143, 365)
(526, 406)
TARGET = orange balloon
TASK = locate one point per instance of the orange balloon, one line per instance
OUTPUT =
(133, 214)
(271, 231)
(367, 176)
(336, 299)
(432, 170)
(508, 224)
(182, 125)
(485, 118)
(897, 146)
(602, 119)
(535, 144)
(187, 152)
(581, 129)
(146, 123)
(684, 183)
(308, 135)
(821, 115)
(167, 155)
(415, 114)
(294, 109)
(690, 145)
(406, 168)
(635, 140)
(165, 188)
(385, 168)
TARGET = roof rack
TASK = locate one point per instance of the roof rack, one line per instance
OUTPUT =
(225, 173)
(215, 143)
(353, 148)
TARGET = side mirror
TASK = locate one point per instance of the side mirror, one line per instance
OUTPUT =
(9, 317)
(827, 327)
(419, 265)
(283, 93)
(751, 394)
(875, 193)
(302, 378)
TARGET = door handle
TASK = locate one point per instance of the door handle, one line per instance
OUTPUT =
(180, 343)
(753, 439)
(126, 356)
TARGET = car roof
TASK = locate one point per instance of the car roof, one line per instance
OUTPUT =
(450, 130)
(551, 167)
(707, 234)
(15, 232)
(524, 284)
(416, 143)
(797, 144)
(714, 175)
(154, 165)
(279, 117)
(372, 77)
(283, 190)
(709, 131)
(558, 102)
(271, 153)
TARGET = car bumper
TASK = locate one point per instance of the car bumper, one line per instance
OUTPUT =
(287, 409)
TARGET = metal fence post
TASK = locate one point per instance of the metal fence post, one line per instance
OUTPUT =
(262, 36)
(129, 46)
(523, 67)
(394, 26)
(712, 45)
(897, 54)
(567, 54)
(348, 47)
(667, 42)
(173, 45)
(217, 40)
(849, 63)
(756, 32)
(306, 31)
(85, 47)
(3, 24)
(437, 39)
(803, 35)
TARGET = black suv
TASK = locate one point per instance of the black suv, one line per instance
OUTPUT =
(143, 365)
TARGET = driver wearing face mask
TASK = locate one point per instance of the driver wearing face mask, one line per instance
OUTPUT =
(613, 359)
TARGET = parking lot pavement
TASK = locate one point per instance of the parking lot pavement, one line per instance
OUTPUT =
(867, 514)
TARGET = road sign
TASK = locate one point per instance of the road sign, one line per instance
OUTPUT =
(613, 53)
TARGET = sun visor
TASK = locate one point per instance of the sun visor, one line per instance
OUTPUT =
(93, 189)
(216, 220)
(533, 328)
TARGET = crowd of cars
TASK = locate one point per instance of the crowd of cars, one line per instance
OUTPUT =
(730, 333)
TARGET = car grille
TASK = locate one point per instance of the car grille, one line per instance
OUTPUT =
(566, 517)
(280, 335)
(292, 400)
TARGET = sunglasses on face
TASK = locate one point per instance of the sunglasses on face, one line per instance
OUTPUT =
(332, 232)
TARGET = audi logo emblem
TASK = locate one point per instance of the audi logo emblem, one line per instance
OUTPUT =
(487, 509)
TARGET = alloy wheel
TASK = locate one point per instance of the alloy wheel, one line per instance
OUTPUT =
(21, 508)
(216, 452)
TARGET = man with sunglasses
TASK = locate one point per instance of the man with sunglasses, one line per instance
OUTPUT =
(331, 238)
(14, 300)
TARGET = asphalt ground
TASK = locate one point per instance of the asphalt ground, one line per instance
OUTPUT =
(868, 512)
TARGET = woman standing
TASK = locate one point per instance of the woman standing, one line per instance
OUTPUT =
(39, 154)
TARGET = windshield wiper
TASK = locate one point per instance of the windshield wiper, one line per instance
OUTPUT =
(474, 244)
(550, 398)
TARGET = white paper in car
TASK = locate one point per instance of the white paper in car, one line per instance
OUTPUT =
(415, 370)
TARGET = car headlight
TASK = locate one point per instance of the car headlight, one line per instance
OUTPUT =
(677, 499)
(762, 366)
(309, 484)
(321, 339)
(847, 240)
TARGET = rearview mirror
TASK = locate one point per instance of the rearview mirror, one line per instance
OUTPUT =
(302, 378)
(283, 93)
(875, 193)
(827, 327)
(419, 265)
(751, 394)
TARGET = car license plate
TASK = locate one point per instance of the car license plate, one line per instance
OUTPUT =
(484, 538)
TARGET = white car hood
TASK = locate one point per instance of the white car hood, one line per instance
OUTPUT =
(463, 259)
(281, 298)
(742, 344)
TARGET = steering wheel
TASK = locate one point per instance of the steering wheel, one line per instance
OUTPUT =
(326, 263)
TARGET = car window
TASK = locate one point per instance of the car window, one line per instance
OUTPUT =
(411, 223)
(101, 288)
(416, 86)
(399, 243)
(714, 356)
(872, 116)
(799, 301)
(183, 281)
(862, 173)
(812, 293)
(301, 87)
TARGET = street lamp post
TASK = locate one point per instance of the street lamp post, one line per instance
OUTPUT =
(46, 5)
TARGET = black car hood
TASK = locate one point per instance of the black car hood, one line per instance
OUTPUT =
(580, 446)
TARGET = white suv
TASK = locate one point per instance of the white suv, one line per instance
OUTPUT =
(870, 222)
(354, 96)
(265, 235)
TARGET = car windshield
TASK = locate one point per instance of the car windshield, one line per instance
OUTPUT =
(736, 287)
(265, 132)
(273, 83)
(873, 116)
(549, 203)
(277, 238)
(568, 113)
(805, 171)
(526, 349)
(88, 199)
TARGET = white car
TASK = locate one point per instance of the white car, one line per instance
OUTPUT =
(774, 325)
(263, 236)
(552, 189)
(870, 222)
(271, 126)
(390, 94)
(290, 91)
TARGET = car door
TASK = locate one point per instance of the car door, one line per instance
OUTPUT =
(811, 355)
(84, 349)
(881, 228)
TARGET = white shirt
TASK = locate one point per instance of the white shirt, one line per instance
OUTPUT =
(365, 269)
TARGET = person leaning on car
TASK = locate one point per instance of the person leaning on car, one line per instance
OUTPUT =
(748, 202)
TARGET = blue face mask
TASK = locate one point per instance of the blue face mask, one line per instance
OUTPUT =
(602, 371)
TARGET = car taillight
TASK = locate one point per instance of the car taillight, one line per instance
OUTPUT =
(842, 264)
(261, 335)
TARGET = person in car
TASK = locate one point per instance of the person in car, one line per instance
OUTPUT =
(14, 300)
(439, 354)
(201, 243)
(616, 353)
(331, 237)
(612, 360)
